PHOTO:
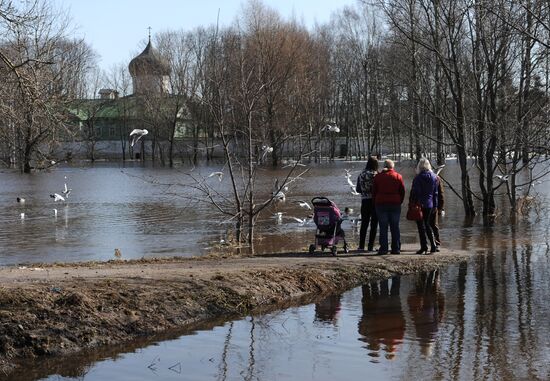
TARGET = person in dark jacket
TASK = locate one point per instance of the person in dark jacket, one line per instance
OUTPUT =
(424, 191)
(439, 211)
(365, 183)
(388, 192)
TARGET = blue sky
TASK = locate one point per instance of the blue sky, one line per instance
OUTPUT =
(115, 28)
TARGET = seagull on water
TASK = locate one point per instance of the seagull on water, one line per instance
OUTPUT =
(22, 216)
(292, 163)
(301, 221)
(219, 174)
(57, 197)
(278, 217)
(137, 134)
(303, 204)
(20, 200)
(277, 193)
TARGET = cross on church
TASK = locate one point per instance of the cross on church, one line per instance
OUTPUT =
(149, 28)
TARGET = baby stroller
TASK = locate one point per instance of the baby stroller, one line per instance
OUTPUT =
(328, 219)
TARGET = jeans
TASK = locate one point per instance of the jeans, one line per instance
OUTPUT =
(388, 214)
(368, 214)
(424, 229)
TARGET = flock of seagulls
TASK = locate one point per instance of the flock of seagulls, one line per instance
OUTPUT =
(56, 197)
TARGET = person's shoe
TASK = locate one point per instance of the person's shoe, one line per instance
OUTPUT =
(370, 248)
(422, 251)
(395, 252)
(434, 249)
(382, 252)
(360, 250)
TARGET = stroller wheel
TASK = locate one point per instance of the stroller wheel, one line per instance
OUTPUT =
(334, 250)
(323, 247)
(311, 249)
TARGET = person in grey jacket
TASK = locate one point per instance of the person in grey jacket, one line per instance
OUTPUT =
(368, 212)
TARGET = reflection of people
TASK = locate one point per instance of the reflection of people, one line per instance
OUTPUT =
(388, 192)
(327, 309)
(424, 191)
(427, 306)
(382, 324)
(365, 183)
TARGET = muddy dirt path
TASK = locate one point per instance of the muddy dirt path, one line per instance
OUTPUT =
(51, 310)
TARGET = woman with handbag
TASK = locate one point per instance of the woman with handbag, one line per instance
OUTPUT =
(424, 193)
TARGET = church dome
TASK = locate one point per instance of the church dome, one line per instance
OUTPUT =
(148, 63)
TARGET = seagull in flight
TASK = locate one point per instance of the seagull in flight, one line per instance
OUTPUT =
(219, 174)
(266, 150)
(303, 204)
(66, 191)
(57, 197)
(437, 170)
(20, 200)
(331, 128)
(137, 134)
(503, 178)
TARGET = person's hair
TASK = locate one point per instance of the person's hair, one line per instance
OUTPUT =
(388, 163)
(372, 163)
(423, 165)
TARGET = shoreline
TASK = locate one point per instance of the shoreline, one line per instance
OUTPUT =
(62, 308)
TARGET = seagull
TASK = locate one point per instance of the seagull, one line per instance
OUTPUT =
(66, 191)
(137, 134)
(219, 174)
(292, 163)
(277, 193)
(22, 216)
(20, 200)
(57, 197)
(439, 169)
(330, 128)
(266, 150)
(350, 183)
(300, 220)
(502, 178)
(303, 204)
(279, 217)
(55, 213)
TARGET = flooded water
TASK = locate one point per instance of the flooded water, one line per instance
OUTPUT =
(486, 319)
(132, 209)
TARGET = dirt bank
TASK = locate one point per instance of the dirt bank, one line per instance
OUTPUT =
(62, 308)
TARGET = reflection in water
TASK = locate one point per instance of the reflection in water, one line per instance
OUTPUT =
(382, 324)
(482, 320)
(426, 306)
(326, 311)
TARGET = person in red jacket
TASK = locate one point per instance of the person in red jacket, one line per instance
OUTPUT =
(389, 193)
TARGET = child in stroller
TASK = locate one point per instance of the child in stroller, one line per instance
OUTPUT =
(328, 219)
